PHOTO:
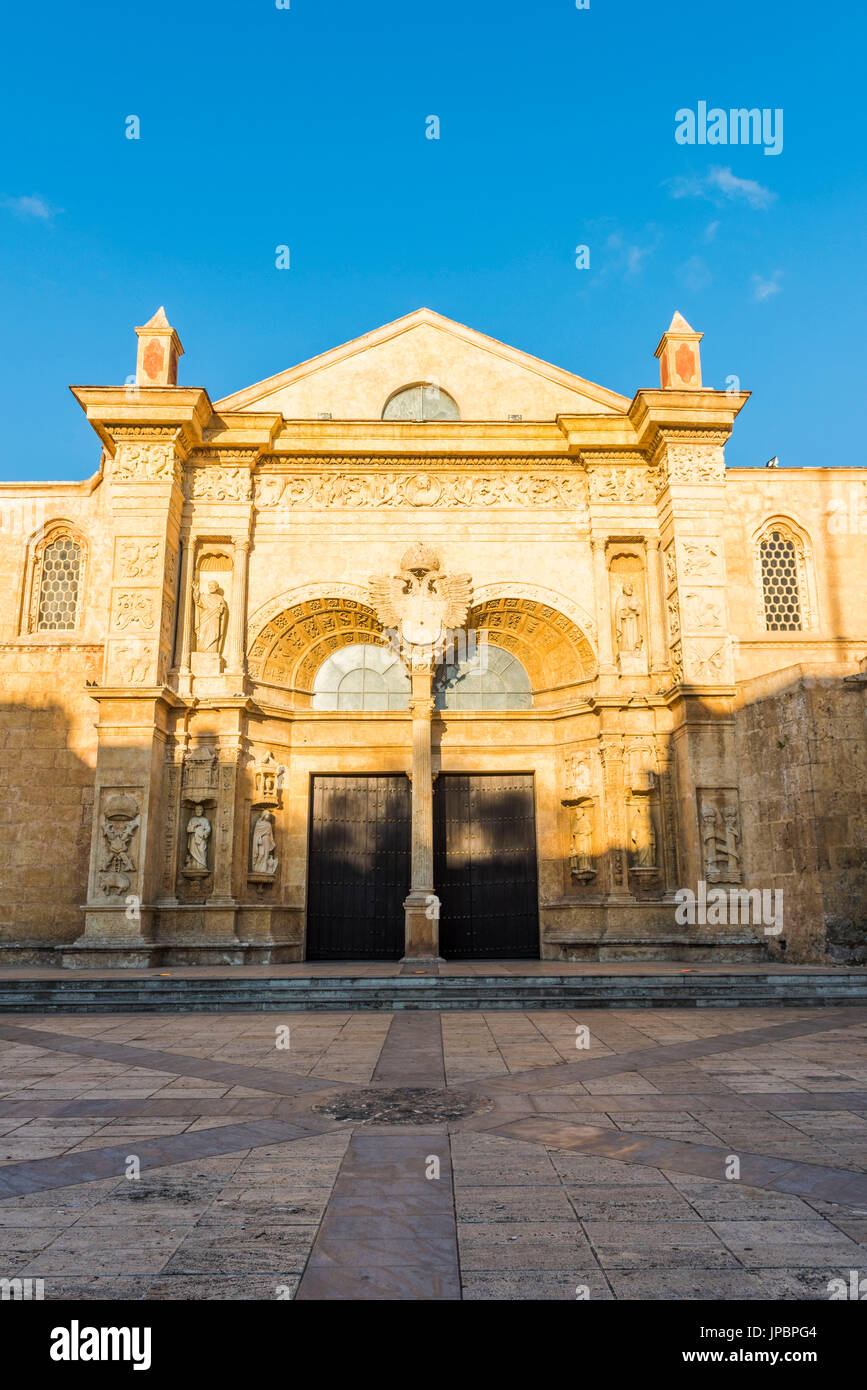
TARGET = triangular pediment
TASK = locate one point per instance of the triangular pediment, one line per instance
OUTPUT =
(487, 379)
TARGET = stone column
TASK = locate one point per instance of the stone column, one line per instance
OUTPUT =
(656, 622)
(611, 749)
(235, 638)
(603, 604)
(185, 603)
(421, 907)
(223, 830)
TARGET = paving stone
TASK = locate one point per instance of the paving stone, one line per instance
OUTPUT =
(504, 1245)
(664, 1284)
(773, 1242)
(642, 1244)
(486, 1204)
(538, 1285)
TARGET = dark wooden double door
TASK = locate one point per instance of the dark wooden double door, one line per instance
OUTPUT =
(484, 867)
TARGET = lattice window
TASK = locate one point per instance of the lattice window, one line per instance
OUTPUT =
(58, 584)
(780, 586)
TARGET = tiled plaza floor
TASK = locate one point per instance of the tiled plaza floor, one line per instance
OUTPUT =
(600, 1168)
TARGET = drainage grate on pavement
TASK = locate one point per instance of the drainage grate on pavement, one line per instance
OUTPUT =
(406, 1105)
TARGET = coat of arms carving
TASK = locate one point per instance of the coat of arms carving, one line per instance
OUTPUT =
(420, 603)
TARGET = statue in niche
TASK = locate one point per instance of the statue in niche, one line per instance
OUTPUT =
(710, 843)
(642, 836)
(732, 842)
(581, 850)
(212, 617)
(198, 834)
(264, 860)
(627, 618)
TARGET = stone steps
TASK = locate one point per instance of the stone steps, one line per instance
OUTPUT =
(228, 994)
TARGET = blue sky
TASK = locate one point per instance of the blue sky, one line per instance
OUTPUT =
(306, 127)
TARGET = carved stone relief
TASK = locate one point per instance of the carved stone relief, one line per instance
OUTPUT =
(133, 610)
(702, 560)
(719, 826)
(218, 484)
(200, 775)
(620, 484)
(670, 563)
(556, 490)
(268, 777)
(137, 559)
(703, 610)
(149, 463)
(119, 823)
(130, 663)
(706, 661)
(695, 463)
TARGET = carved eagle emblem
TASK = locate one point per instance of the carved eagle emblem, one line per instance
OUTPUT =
(420, 602)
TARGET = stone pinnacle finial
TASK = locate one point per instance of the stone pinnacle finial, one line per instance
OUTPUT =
(679, 357)
(159, 348)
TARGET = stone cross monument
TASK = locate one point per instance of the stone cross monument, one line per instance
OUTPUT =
(418, 607)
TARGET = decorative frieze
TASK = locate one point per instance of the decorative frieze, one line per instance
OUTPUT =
(152, 462)
(613, 483)
(563, 491)
(218, 484)
(695, 463)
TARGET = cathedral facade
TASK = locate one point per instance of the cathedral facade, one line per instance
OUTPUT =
(423, 649)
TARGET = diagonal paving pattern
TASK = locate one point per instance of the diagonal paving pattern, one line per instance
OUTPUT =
(390, 1231)
(606, 1172)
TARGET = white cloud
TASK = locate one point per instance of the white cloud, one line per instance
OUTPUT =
(629, 258)
(711, 230)
(31, 207)
(720, 186)
(696, 274)
(764, 289)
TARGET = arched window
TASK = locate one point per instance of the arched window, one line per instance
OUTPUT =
(362, 677)
(492, 679)
(783, 578)
(424, 401)
(57, 581)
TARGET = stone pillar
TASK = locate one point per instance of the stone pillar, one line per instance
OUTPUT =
(668, 817)
(224, 833)
(656, 625)
(235, 638)
(603, 604)
(421, 907)
(611, 750)
(185, 604)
